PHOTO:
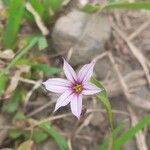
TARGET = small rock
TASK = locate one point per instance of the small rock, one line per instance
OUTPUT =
(85, 33)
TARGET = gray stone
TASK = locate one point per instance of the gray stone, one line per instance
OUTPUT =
(85, 33)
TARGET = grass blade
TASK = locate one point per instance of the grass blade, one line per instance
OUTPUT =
(45, 68)
(118, 143)
(135, 5)
(102, 96)
(3, 80)
(124, 5)
(15, 14)
(52, 132)
(12, 105)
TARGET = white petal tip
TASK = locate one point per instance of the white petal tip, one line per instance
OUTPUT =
(43, 83)
(78, 117)
(56, 108)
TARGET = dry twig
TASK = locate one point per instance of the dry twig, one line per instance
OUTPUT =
(36, 86)
(38, 19)
(136, 101)
(136, 52)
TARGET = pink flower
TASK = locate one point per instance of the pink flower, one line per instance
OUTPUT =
(73, 88)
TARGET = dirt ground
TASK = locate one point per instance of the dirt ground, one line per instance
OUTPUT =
(127, 81)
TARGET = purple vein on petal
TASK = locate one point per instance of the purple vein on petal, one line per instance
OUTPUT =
(69, 72)
(57, 85)
(90, 89)
(76, 105)
(64, 99)
(86, 72)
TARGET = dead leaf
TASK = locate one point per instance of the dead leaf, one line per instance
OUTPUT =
(7, 54)
(14, 81)
(27, 145)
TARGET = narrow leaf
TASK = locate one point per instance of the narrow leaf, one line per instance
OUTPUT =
(39, 135)
(11, 105)
(52, 132)
(14, 133)
(90, 8)
(3, 80)
(134, 5)
(55, 4)
(118, 143)
(42, 43)
(45, 68)
(15, 15)
(102, 96)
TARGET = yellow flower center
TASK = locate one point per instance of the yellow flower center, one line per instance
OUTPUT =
(77, 88)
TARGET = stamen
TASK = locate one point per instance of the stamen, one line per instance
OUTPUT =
(77, 88)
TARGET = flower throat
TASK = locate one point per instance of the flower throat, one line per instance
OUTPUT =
(78, 88)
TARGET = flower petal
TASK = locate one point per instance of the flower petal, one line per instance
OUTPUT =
(69, 72)
(57, 85)
(86, 72)
(90, 89)
(76, 105)
(63, 100)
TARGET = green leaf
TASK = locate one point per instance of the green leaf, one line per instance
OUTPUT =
(11, 105)
(90, 8)
(102, 96)
(126, 136)
(46, 13)
(15, 15)
(52, 132)
(14, 133)
(19, 116)
(45, 68)
(42, 43)
(3, 80)
(41, 7)
(55, 4)
(6, 2)
(38, 5)
(134, 5)
(39, 135)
